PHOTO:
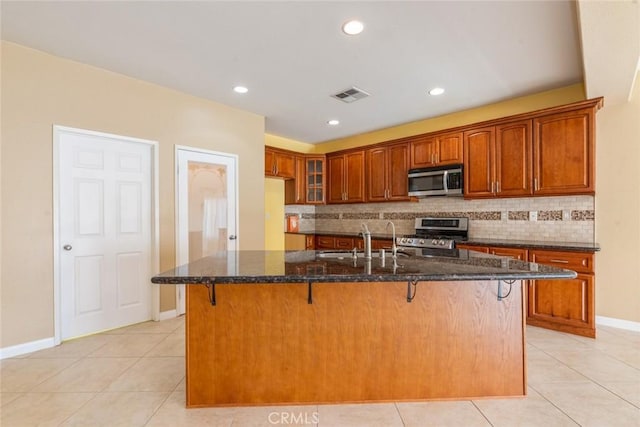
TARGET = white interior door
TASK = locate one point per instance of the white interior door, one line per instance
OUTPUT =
(207, 206)
(105, 231)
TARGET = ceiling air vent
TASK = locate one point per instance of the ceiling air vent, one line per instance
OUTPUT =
(350, 95)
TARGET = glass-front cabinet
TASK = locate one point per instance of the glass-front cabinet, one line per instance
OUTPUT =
(315, 187)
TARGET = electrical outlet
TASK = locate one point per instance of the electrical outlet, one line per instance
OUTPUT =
(566, 215)
(533, 216)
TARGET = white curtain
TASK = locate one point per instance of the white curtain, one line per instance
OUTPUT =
(214, 225)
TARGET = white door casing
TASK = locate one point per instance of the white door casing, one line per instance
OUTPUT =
(106, 230)
(206, 207)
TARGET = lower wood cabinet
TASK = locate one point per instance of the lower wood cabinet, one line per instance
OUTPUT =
(566, 305)
(348, 243)
(563, 305)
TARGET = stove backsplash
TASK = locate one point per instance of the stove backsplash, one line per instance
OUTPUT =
(556, 219)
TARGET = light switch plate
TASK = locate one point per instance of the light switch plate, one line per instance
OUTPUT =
(533, 216)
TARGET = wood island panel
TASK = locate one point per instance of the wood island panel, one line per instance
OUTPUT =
(357, 342)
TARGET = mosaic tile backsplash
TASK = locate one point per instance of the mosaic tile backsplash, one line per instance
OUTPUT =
(555, 219)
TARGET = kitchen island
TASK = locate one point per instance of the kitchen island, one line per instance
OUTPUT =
(312, 327)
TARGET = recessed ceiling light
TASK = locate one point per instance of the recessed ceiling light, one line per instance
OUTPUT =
(240, 89)
(436, 91)
(352, 27)
(333, 122)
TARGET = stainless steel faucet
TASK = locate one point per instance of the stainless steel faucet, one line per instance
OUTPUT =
(366, 236)
(394, 248)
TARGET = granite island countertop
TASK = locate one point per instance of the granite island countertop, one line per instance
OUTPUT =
(340, 266)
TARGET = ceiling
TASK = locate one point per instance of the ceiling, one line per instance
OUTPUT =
(292, 55)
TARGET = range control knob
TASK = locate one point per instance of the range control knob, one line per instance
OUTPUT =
(441, 242)
(403, 240)
(421, 242)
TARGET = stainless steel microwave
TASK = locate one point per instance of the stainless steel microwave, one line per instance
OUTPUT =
(436, 181)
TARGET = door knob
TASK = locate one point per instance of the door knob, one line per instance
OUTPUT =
(67, 247)
(233, 237)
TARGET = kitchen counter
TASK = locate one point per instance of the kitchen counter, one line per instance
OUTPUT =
(309, 327)
(374, 235)
(535, 244)
(315, 266)
(507, 243)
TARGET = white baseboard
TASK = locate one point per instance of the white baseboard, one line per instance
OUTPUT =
(618, 323)
(28, 347)
(169, 314)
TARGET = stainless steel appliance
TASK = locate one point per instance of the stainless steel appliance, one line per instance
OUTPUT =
(436, 233)
(436, 181)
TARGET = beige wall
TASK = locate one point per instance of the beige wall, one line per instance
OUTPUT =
(274, 214)
(40, 90)
(618, 209)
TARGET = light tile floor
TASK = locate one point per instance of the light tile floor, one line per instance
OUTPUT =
(134, 376)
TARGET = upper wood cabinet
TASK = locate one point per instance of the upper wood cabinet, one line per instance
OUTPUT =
(279, 163)
(315, 179)
(346, 177)
(308, 183)
(564, 156)
(294, 189)
(386, 173)
(436, 150)
(498, 161)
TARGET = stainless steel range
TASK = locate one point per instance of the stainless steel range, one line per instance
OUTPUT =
(436, 233)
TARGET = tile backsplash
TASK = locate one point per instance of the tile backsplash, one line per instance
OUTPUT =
(558, 219)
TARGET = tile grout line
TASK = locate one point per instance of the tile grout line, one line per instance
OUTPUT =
(554, 405)
(594, 381)
(481, 413)
(395, 404)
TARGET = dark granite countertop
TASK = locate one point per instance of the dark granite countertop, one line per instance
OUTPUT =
(315, 266)
(538, 244)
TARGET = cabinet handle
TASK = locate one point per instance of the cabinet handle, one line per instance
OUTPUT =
(437, 157)
(497, 186)
(535, 184)
(559, 261)
(492, 185)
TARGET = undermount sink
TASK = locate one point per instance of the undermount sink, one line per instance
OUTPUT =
(360, 254)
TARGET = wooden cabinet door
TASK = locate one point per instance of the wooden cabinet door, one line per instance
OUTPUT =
(345, 243)
(294, 189)
(335, 181)
(376, 163)
(269, 162)
(513, 167)
(285, 165)
(483, 249)
(515, 253)
(325, 242)
(478, 166)
(564, 305)
(449, 149)
(354, 177)
(310, 242)
(314, 186)
(278, 163)
(423, 151)
(564, 153)
(398, 166)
